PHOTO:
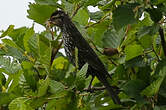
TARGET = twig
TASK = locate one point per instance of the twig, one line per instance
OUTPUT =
(95, 46)
(96, 22)
(163, 43)
(52, 33)
(76, 10)
(155, 54)
(113, 62)
(54, 52)
(94, 89)
(101, 52)
(126, 32)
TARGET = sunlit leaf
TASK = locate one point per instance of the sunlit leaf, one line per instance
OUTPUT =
(82, 17)
(40, 13)
(19, 104)
(60, 63)
(43, 86)
(80, 78)
(10, 29)
(112, 39)
(27, 37)
(133, 51)
(56, 87)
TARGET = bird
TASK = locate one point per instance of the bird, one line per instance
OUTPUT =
(72, 39)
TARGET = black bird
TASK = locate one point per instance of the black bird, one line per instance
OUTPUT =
(72, 39)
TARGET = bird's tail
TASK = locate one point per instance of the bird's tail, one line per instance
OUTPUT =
(109, 88)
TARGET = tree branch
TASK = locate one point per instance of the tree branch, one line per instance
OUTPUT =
(76, 10)
(102, 19)
(54, 52)
(163, 43)
(94, 46)
(93, 89)
(155, 53)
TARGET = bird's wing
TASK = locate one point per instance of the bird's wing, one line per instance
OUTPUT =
(89, 55)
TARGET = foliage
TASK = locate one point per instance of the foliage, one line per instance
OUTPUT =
(30, 80)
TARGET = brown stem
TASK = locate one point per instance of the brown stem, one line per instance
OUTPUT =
(52, 33)
(163, 43)
(54, 52)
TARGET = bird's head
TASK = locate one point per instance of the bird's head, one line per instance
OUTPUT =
(57, 18)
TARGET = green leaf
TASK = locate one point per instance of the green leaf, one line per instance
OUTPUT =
(40, 13)
(112, 38)
(120, 73)
(9, 65)
(136, 62)
(133, 88)
(29, 33)
(68, 7)
(155, 14)
(5, 98)
(133, 50)
(29, 74)
(147, 20)
(51, 104)
(108, 5)
(160, 107)
(56, 87)
(15, 82)
(91, 2)
(143, 31)
(15, 53)
(37, 102)
(33, 45)
(162, 90)
(60, 63)
(96, 15)
(47, 2)
(81, 17)
(44, 51)
(19, 104)
(17, 36)
(43, 86)
(10, 29)
(2, 79)
(27, 65)
(10, 43)
(157, 2)
(96, 33)
(81, 76)
(122, 16)
(154, 87)
(146, 41)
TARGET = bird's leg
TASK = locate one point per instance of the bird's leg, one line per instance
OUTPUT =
(90, 85)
